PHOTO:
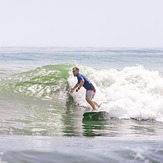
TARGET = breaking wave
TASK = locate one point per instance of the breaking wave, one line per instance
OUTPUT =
(134, 92)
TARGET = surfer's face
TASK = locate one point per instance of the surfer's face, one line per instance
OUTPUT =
(75, 71)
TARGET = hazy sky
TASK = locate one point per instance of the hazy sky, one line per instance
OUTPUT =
(78, 23)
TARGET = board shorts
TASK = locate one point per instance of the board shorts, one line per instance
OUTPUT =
(90, 94)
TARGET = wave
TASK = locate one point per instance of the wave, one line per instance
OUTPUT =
(45, 82)
(134, 92)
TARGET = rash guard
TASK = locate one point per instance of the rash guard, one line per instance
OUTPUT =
(87, 84)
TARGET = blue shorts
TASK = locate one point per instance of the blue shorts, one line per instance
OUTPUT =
(90, 94)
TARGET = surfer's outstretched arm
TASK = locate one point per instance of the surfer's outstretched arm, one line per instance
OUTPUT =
(72, 89)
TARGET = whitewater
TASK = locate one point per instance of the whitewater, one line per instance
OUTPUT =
(133, 92)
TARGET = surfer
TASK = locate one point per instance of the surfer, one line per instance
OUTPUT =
(90, 89)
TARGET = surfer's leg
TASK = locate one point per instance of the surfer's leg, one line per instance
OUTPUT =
(91, 103)
(89, 97)
(96, 104)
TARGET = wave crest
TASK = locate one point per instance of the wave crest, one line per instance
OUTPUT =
(45, 82)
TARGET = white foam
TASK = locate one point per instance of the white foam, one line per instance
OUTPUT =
(133, 92)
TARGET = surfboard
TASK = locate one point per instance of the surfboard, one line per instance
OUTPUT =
(95, 115)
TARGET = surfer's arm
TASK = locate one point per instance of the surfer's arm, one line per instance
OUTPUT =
(76, 85)
(80, 85)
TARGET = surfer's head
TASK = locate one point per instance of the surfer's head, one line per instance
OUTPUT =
(75, 71)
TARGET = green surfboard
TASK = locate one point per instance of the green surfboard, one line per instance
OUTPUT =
(100, 115)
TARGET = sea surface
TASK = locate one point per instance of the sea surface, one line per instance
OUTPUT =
(41, 122)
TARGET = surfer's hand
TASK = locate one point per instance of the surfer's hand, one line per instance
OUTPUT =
(77, 89)
(71, 90)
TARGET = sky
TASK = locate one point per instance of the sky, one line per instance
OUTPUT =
(81, 23)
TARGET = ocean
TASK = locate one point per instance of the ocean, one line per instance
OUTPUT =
(42, 122)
